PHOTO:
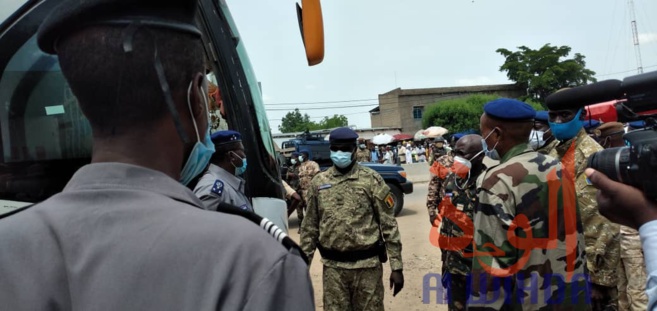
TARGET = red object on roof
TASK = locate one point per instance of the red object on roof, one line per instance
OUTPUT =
(603, 112)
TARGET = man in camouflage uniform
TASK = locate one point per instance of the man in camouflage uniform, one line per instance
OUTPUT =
(433, 195)
(349, 215)
(363, 155)
(632, 272)
(460, 190)
(437, 149)
(546, 142)
(307, 170)
(528, 239)
(602, 236)
(292, 178)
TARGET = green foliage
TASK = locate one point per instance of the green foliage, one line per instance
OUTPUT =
(544, 71)
(457, 115)
(294, 121)
(461, 114)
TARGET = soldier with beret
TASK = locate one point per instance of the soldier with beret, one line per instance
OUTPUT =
(526, 236)
(350, 220)
(126, 233)
(610, 134)
(221, 181)
(541, 138)
(632, 273)
(602, 236)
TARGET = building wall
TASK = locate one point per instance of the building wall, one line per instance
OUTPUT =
(396, 106)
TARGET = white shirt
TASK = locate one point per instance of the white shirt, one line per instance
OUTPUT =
(648, 233)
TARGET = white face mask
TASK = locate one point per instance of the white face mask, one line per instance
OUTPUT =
(300, 158)
(294, 161)
(536, 139)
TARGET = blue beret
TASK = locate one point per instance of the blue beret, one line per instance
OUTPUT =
(306, 151)
(295, 154)
(343, 135)
(458, 136)
(225, 137)
(509, 110)
(637, 124)
(542, 116)
(591, 124)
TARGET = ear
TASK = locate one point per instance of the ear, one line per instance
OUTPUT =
(198, 98)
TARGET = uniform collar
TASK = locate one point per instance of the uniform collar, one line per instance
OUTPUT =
(516, 150)
(114, 175)
(351, 174)
(226, 176)
(563, 146)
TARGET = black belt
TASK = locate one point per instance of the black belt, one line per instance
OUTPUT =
(349, 256)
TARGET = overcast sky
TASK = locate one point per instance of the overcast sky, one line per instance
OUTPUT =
(374, 46)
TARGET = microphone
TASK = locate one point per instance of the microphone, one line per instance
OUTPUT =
(584, 95)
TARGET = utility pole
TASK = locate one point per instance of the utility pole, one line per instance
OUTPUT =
(635, 37)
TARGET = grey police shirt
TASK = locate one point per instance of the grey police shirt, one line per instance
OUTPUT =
(124, 237)
(218, 185)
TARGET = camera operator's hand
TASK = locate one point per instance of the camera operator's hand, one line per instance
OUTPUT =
(621, 203)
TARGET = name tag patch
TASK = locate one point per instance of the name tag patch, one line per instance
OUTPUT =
(325, 186)
(218, 187)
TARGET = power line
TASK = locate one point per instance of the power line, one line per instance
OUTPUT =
(626, 71)
(319, 108)
(326, 102)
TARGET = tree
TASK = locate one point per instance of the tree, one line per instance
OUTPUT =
(294, 121)
(460, 114)
(544, 71)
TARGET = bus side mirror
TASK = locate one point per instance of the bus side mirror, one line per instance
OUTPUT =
(311, 25)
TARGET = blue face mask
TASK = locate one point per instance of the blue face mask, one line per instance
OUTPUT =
(493, 154)
(200, 156)
(239, 170)
(567, 130)
(341, 159)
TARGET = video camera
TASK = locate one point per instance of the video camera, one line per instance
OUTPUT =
(636, 164)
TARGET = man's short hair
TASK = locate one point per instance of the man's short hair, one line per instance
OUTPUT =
(118, 90)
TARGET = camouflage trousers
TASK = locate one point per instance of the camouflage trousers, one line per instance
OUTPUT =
(353, 289)
(457, 291)
(632, 285)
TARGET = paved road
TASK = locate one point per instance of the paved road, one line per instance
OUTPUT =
(419, 256)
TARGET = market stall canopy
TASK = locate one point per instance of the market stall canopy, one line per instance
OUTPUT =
(435, 131)
(402, 137)
(382, 139)
(419, 136)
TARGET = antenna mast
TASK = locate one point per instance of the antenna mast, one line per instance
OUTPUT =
(635, 37)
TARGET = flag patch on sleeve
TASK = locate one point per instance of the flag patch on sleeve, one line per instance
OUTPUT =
(390, 201)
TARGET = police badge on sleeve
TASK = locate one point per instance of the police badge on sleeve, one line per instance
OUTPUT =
(390, 201)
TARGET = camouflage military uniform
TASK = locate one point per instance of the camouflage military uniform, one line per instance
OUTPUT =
(436, 153)
(433, 196)
(363, 155)
(515, 202)
(342, 216)
(456, 265)
(294, 181)
(602, 237)
(547, 148)
(632, 273)
(307, 170)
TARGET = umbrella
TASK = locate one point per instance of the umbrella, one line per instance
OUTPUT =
(382, 139)
(435, 131)
(402, 137)
(419, 136)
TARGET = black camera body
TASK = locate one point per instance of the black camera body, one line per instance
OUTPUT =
(634, 165)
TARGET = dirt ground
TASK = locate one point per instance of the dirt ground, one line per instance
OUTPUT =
(419, 257)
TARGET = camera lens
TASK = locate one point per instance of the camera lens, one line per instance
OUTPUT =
(612, 162)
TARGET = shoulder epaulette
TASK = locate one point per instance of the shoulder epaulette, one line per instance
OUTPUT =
(277, 233)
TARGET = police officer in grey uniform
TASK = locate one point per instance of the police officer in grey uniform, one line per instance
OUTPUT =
(221, 182)
(125, 233)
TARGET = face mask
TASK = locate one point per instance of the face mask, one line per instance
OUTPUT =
(461, 167)
(239, 170)
(300, 158)
(200, 156)
(341, 159)
(490, 153)
(567, 130)
(362, 146)
(536, 139)
(294, 161)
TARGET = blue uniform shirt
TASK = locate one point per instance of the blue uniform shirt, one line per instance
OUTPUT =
(218, 185)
